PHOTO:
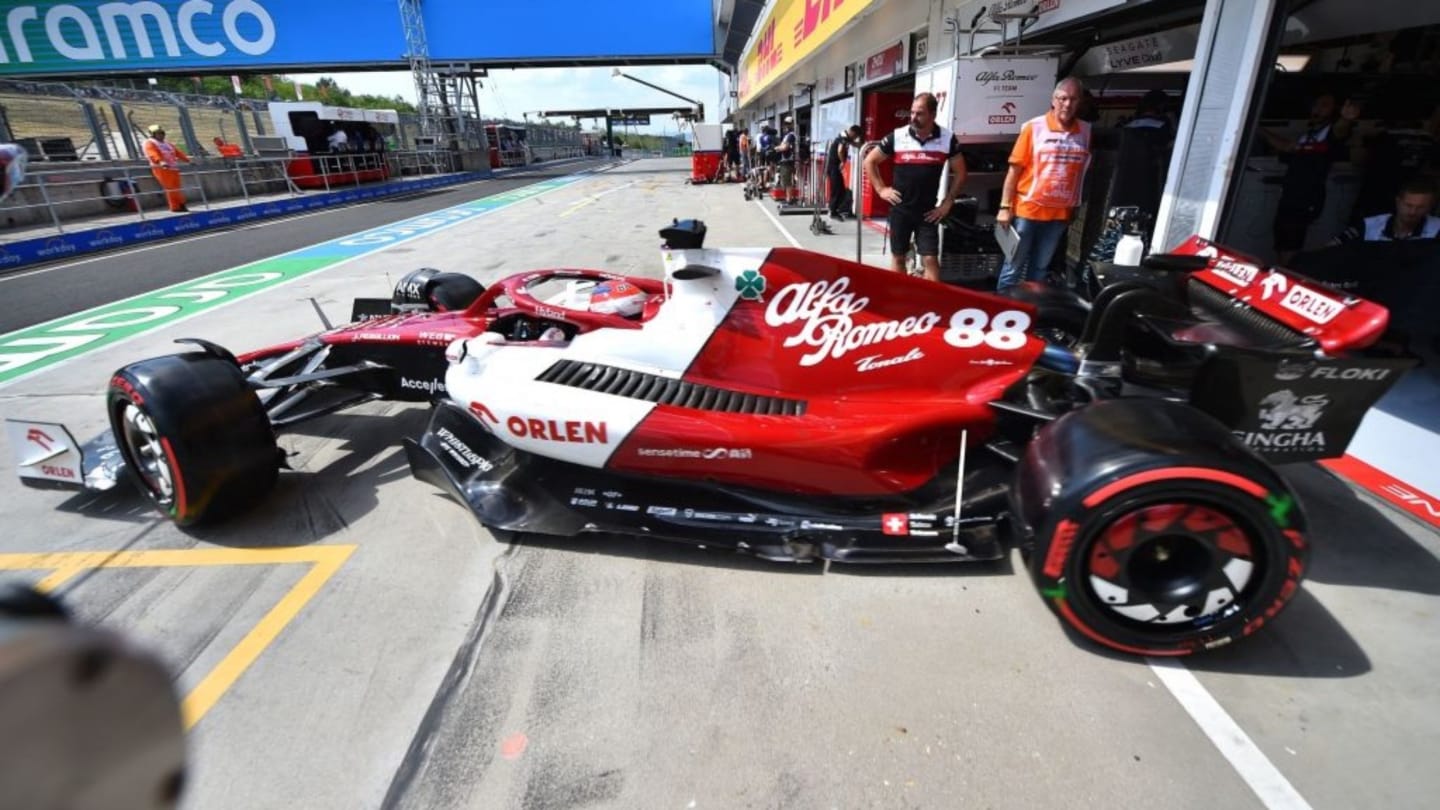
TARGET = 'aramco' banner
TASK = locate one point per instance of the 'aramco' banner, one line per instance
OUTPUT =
(158, 36)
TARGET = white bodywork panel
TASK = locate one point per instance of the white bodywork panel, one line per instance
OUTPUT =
(496, 379)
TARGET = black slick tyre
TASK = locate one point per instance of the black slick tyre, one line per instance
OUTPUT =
(1155, 533)
(195, 438)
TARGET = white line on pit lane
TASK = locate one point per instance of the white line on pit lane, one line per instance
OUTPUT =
(776, 220)
(1271, 786)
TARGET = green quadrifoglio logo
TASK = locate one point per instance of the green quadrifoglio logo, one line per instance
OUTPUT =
(751, 285)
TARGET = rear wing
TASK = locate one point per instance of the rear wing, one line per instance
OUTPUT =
(1335, 321)
(1301, 392)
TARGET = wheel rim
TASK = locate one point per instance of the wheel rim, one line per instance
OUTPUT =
(147, 452)
(1175, 565)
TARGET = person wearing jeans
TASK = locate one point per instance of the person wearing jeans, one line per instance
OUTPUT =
(1038, 240)
(1042, 187)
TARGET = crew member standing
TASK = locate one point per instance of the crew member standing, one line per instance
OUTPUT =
(921, 151)
(1307, 171)
(835, 158)
(165, 159)
(1043, 184)
(787, 152)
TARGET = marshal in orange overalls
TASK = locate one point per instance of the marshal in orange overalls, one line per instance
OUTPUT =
(164, 159)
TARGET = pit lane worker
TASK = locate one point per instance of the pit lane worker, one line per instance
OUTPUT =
(921, 151)
(786, 152)
(165, 159)
(1308, 159)
(13, 158)
(835, 158)
(1411, 220)
(1043, 184)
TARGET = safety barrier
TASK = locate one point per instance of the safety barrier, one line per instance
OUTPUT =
(222, 194)
(62, 198)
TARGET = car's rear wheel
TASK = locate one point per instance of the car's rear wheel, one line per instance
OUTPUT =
(1153, 531)
(194, 436)
(1168, 567)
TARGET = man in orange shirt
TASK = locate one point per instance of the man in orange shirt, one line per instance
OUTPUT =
(164, 162)
(1043, 185)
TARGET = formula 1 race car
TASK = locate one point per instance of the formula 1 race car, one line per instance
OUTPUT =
(799, 407)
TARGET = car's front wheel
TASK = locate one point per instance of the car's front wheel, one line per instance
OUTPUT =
(194, 436)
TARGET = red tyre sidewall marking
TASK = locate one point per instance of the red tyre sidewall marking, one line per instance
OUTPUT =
(1108, 491)
(1069, 616)
(178, 508)
(1060, 548)
(1066, 532)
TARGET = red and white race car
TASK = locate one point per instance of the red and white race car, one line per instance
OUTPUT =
(799, 407)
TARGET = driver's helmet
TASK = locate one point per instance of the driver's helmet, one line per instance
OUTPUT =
(617, 298)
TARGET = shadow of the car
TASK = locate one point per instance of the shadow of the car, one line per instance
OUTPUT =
(1356, 543)
(1305, 641)
(123, 503)
(666, 551)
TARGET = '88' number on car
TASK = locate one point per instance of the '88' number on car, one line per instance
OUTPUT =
(972, 327)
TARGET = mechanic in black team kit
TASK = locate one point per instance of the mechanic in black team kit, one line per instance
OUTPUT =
(835, 157)
(921, 151)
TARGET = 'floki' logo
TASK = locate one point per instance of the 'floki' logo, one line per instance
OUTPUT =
(751, 285)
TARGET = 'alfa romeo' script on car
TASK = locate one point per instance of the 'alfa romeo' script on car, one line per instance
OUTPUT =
(826, 312)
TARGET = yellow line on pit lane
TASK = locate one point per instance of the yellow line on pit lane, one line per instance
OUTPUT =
(324, 560)
(591, 200)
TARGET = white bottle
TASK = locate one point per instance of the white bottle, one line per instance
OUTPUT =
(1130, 250)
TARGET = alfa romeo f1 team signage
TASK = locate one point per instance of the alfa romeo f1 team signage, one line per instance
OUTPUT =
(995, 96)
(157, 36)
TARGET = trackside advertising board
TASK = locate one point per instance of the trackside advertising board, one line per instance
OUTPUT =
(790, 32)
(159, 36)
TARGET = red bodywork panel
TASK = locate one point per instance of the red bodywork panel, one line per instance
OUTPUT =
(891, 370)
(1336, 321)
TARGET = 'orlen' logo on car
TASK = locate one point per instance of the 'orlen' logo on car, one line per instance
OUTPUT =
(572, 431)
(1238, 272)
(1311, 305)
(1001, 119)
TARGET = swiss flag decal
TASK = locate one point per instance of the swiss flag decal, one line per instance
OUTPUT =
(895, 523)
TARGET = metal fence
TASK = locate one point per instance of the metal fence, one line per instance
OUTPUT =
(64, 198)
(68, 122)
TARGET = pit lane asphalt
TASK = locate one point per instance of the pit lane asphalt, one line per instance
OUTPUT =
(440, 667)
(36, 295)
